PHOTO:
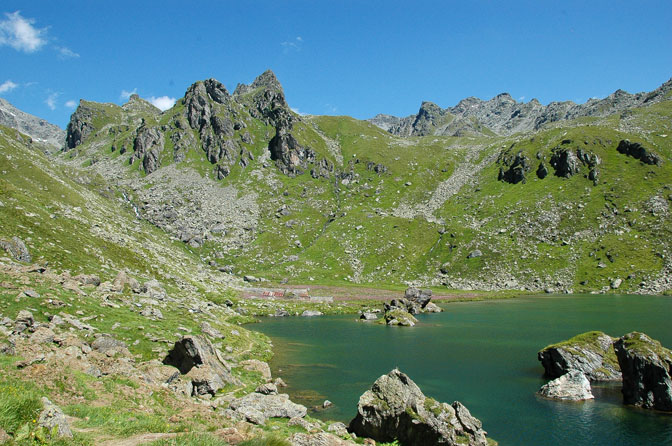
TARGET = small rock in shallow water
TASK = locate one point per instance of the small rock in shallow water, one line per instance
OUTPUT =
(572, 386)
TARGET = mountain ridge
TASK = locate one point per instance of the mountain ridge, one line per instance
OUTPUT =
(504, 116)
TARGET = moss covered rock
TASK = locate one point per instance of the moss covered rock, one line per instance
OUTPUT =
(591, 353)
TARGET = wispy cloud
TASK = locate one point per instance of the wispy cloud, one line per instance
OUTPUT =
(125, 95)
(292, 45)
(51, 100)
(331, 108)
(66, 53)
(19, 33)
(71, 104)
(298, 112)
(162, 103)
(7, 86)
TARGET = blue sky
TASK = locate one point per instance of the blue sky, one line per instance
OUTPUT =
(356, 58)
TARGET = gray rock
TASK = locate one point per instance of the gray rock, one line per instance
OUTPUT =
(616, 283)
(318, 439)
(396, 409)
(254, 365)
(565, 162)
(42, 335)
(281, 312)
(17, 249)
(24, 321)
(338, 428)
(647, 371)
(267, 389)
(474, 254)
(368, 316)
(53, 417)
(196, 352)
(210, 331)
(433, 308)
(269, 406)
(590, 353)
(31, 293)
(572, 386)
(311, 313)
(110, 346)
(399, 316)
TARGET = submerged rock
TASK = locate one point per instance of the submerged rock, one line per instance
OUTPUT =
(647, 371)
(572, 386)
(590, 353)
(396, 409)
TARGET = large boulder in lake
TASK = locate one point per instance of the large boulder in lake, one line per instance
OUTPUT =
(197, 358)
(572, 386)
(647, 371)
(396, 409)
(591, 353)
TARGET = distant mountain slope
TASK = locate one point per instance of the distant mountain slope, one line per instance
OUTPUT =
(38, 129)
(249, 187)
(503, 115)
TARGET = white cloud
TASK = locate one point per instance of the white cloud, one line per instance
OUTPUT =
(292, 45)
(125, 95)
(7, 86)
(51, 100)
(19, 33)
(66, 53)
(162, 103)
(71, 104)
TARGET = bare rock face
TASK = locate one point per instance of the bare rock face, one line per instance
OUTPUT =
(30, 125)
(196, 357)
(590, 353)
(572, 386)
(53, 417)
(647, 371)
(147, 146)
(396, 408)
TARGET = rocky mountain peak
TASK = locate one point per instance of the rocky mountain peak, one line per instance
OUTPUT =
(37, 128)
(267, 79)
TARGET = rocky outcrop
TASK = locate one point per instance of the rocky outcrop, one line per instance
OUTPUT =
(290, 156)
(514, 168)
(637, 151)
(396, 409)
(565, 162)
(399, 316)
(197, 358)
(17, 249)
(647, 371)
(590, 353)
(572, 386)
(147, 147)
(80, 125)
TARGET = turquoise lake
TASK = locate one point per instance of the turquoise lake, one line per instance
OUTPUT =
(483, 354)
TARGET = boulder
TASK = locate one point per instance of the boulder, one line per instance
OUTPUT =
(109, 346)
(572, 386)
(399, 316)
(396, 409)
(647, 371)
(590, 353)
(17, 249)
(24, 321)
(418, 297)
(254, 365)
(311, 313)
(474, 254)
(267, 389)
(52, 417)
(565, 162)
(368, 316)
(268, 406)
(196, 352)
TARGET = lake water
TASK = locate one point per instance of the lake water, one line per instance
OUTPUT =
(483, 354)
